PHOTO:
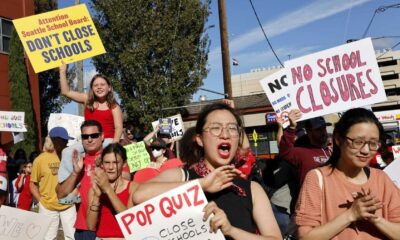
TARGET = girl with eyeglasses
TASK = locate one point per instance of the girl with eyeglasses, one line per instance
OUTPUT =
(109, 194)
(345, 199)
(100, 105)
(241, 208)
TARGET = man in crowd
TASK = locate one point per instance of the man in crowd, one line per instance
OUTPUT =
(43, 185)
(311, 155)
(92, 139)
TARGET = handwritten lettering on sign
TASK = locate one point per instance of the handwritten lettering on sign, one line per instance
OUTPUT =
(17, 224)
(177, 214)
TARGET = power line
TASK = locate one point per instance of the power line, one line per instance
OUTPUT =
(265, 35)
(379, 10)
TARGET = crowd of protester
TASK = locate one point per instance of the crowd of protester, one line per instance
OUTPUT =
(319, 186)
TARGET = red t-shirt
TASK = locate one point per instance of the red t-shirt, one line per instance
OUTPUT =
(148, 173)
(25, 196)
(3, 163)
(105, 118)
(108, 225)
(86, 184)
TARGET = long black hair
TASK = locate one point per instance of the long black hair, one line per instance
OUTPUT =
(350, 118)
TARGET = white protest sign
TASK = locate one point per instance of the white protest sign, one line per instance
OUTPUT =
(335, 79)
(72, 123)
(275, 87)
(177, 127)
(17, 224)
(176, 214)
(12, 121)
(18, 137)
(393, 169)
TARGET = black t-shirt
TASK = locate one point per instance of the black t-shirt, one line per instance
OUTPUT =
(238, 209)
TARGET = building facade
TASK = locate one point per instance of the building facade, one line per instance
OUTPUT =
(9, 10)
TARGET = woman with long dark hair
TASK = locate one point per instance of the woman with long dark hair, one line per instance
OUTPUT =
(345, 199)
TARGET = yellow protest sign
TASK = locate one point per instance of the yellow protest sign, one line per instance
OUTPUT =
(67, 35)
(137, 155)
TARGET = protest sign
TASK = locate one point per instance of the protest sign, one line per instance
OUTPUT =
(12, 121)
(176, 214)
(177, 127)
(17, 224)
(276, 88)
(165, 125)
(18, 137)
(67, 35)
(393, 169)
(137, 155)
(335, 79)
(72, 123)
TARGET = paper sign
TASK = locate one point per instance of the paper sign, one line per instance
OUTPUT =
(72, 123)
(17, 224)
(335, 80)
(393, 169)
(177, 127)
(176, 214)
(12, 121)
(67, 35)
(165, 125)
(18, 137)
(137, 155)
(276, 88)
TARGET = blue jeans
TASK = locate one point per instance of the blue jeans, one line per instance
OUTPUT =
(282, 217)
(84, 235)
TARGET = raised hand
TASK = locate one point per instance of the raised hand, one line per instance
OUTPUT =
(364, 206)
(219, 220)
(220, 178)
(294, 115)
(77, 162)
(101, 179)
(63, 67)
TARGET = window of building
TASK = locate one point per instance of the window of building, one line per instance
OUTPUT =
(387, 63)
(390, 77)
(5, 35)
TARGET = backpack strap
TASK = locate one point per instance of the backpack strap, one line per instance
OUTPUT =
(320, 180)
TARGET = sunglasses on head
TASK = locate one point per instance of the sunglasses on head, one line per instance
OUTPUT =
(92, 136)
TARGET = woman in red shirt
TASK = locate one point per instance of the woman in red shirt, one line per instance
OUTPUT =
(109, 194)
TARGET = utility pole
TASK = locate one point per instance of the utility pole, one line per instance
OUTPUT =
(223, 29)
(79, 76)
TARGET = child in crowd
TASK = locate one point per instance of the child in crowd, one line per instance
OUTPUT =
(22, 186)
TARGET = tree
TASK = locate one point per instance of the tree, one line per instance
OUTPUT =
(156, 53)
(21, 98)
(49, 87)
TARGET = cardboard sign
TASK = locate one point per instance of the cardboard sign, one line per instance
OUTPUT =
(137, 155)
(72, 123)
(176, 214)
(165, 125)
(177, 127)
(276, 88)
(17, 224)
(12, 121)
(335, 80)
(67, 35)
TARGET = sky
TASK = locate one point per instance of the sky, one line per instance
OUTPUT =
(294, 27)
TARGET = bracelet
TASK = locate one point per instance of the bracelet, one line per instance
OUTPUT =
(94, 210)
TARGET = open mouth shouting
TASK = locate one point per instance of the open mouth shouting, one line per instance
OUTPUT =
(224, 150)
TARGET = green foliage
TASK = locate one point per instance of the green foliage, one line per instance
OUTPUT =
(21, 98)
(156, 53)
